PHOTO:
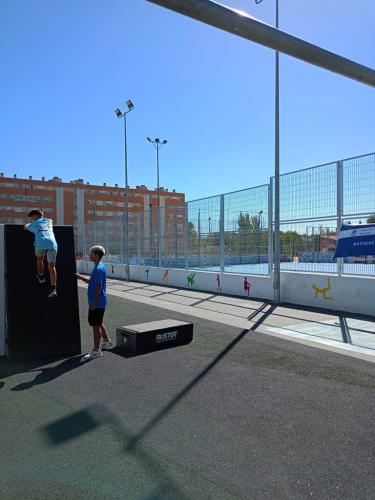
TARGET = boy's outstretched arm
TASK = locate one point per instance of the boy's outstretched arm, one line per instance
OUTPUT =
(82, 278)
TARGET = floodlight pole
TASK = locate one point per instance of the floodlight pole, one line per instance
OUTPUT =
(121, 114)
(158, 143)
(126, 204)
(276, 233)
(276, 271)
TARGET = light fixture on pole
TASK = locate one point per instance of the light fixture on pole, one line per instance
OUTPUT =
(276, 269)
(158, 143)
(122, 114)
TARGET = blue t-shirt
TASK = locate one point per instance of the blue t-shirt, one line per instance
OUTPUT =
(43, 231)
(98, 277)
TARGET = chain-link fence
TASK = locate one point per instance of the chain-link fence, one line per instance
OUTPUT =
(233, 232)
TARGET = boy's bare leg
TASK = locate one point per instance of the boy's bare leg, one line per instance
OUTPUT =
(40, 265)
(96, 331)
(103, 332)
(52, 273)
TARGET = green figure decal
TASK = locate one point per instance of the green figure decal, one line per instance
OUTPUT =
(191, 278)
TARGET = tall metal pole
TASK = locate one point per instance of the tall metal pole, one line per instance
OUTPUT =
(276, 277)
(159, 218)
(126, 205)
(199, 237)
(125, 244)
(276, 238)
(157, 143)
(176, 235)
(222, 236)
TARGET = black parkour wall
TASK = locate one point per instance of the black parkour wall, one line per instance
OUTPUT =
(38, 327)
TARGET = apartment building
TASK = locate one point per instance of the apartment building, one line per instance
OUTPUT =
(95, 211)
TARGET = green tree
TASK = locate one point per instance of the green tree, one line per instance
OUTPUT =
(371, 219)
(192, 232)
(248, 223)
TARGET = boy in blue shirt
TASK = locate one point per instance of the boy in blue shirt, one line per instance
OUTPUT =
(97, 298)
(45, 246)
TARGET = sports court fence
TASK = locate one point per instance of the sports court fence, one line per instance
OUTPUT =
(233, 232)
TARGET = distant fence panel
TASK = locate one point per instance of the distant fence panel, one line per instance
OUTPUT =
(359, 205)
(233, 232)
(309, 194)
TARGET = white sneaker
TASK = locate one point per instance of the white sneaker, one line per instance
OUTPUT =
(106, 344)
(52, 294)
(92, 355)
(40, 279)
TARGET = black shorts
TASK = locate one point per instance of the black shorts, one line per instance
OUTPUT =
(96, 317)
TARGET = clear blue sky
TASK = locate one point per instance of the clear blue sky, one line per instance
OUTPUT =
(66, 65)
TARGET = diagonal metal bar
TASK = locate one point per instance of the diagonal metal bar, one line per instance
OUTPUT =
(245, 26)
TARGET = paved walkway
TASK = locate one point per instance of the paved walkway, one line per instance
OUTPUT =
(354, 336)
(235, 414)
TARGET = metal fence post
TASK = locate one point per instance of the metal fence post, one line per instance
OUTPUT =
(186, 245)
(176, 235)
(151, 234)
(84, 241)
(139, 238)
(222, 239)
(106, 238)
(199, 238)
(340, 203)
(270, 228)
(123, 239)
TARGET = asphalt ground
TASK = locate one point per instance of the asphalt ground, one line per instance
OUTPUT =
(234, 414)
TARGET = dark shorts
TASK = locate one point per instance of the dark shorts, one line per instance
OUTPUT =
(96, 317)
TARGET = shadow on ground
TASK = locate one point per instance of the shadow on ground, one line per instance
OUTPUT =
(50, 373)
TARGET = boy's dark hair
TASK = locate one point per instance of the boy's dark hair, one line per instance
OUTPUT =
(35, 211)
(98, 250)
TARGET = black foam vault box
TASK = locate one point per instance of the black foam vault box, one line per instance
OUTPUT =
(154, 335)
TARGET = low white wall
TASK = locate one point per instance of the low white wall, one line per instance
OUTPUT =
(233, 284)
(341, 293)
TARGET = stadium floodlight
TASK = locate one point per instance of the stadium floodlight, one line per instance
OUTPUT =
(121, 114)
(157, 143)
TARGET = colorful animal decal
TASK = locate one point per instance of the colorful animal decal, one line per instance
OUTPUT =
(246, 286)
(323, 291)
(165, 277)
(191, 278)
(218, 282)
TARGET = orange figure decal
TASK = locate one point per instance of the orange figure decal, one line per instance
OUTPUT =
(165, 277)
(246, 286)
